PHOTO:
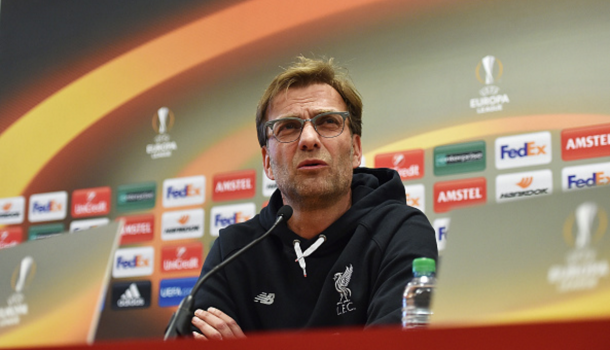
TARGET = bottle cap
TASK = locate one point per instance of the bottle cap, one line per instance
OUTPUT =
(424, 265)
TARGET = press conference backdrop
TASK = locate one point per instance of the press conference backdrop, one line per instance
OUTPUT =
(144, 110)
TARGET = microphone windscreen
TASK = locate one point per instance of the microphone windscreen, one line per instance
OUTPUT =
(285, 211)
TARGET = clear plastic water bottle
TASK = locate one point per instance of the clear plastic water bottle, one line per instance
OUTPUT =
(416, 299)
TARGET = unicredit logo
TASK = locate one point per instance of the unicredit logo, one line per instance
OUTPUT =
(10, 236)
(408, 164)
(186, 257)
(234, 185)
(451, 194)
(587, 142)
(91, 202)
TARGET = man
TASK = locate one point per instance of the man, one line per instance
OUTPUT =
(344, 258)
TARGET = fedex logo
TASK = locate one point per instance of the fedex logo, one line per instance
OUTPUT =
(441, 228)
(182, 224)
(408, 164)
(234, 185)
(523, 150)
(223, 216)
(132, 262)
(586, 176)
(12, 210)
(10, 236)
(137, 229)
(451, 194)
(91, 202)
(183, 191)
(48, 206)
(416, 196)
(186, 257)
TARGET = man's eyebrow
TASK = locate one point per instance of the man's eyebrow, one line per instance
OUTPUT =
(321, 111)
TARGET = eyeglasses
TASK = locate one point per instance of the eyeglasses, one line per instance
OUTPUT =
(329, 125)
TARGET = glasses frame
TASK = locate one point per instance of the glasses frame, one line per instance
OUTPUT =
(269, 124)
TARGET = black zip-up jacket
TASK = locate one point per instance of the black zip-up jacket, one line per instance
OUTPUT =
(356, 277)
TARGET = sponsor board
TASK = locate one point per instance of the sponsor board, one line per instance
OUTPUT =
(48, 206)
(408, 164)
(416, 196)
(136, 196)
(139, 228)
(182, 224)
(489, 71)
(586, 142)
(12, 210)
(44, 231)
(585, 176)
(133, 262)
(459, 158)
(234, 185)
(81, 225)
(523, 150)
(583, 230)
(223, 216)
(510, 187)
(131, 295)
(441, 228)
(91, 202)
(172, 291)
(183, 191)
(269, 186)
(10, 236)
(185, 257)
(451, 194)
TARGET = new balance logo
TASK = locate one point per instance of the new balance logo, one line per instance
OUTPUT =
(265, 298)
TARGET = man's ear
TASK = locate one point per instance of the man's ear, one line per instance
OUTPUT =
(267, 163)
(357, 148)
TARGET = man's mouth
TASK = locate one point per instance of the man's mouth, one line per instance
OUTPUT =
(312, 164)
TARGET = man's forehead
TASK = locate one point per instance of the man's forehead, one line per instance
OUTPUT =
(315, 97)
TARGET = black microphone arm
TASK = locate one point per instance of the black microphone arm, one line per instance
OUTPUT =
(180, 324)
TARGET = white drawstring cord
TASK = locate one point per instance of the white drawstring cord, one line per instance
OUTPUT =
(302, 255)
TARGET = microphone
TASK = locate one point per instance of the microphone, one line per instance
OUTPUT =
(180, 323)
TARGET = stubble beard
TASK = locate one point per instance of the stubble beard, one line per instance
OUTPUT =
(315, 192)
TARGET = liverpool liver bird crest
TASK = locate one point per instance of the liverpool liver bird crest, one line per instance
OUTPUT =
(341, 281)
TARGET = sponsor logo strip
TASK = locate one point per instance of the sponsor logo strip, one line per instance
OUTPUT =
(451, 194)
(408, 164)
(133, 262)
(459, 158)
(137, 229)
(182, 224)
(523, 150)
(585, 176)
(183, 191)
(136, 196)
(131, 295)
(223, 216)
(172, 291)
(186, 257)
(91, 202)
(12, 210)
(587, 142)
(524, 185)
(234, 185)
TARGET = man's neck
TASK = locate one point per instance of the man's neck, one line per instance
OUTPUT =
(308, 221)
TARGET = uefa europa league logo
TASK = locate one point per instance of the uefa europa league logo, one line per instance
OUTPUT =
(23, 274)
(163, 120)
(488, 63)
(591, 224)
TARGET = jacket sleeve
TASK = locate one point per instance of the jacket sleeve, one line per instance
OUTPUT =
(214, 292)
(410, 238)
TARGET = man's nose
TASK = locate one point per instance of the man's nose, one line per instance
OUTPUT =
(309, 137)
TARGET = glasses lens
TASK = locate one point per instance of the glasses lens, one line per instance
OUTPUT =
(329, 125)
(287, 130)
